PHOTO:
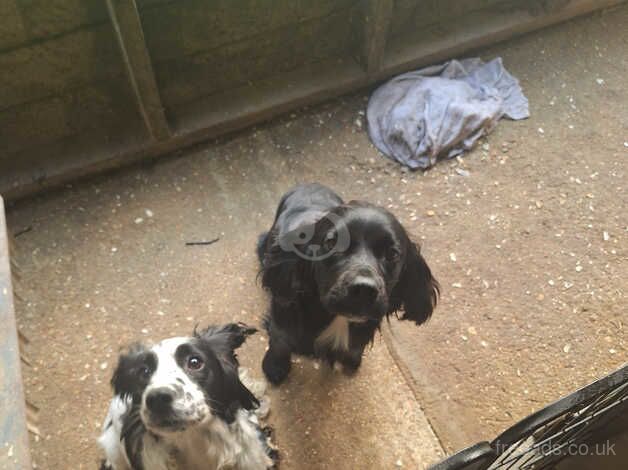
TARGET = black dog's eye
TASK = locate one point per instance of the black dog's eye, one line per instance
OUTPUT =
(144, 372)
(195, 363)
(392, 254)
(331, 239)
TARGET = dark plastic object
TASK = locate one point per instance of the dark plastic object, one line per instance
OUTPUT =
(476, 457)
(548, 436)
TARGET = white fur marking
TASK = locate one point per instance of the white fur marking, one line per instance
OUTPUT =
(336, 335)
(109, 440)
(190, 404)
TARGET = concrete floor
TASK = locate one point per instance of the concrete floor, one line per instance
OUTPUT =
(107, 264)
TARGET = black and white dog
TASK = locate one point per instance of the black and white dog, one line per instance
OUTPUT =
(334, 271)
(180, 404)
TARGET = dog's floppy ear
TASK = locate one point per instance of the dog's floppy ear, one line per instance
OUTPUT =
(223, 341)
(124, 380)
(284, 273)
(417, 289)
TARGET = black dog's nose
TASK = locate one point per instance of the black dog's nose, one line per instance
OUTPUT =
(363, 290)
(160, 400)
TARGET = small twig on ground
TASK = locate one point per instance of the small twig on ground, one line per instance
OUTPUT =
(23, 231)
(208, 242)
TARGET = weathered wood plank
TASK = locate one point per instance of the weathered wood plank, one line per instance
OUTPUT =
(254, 59)
(174, 31)
(377, 19)
(24, 22)
(480, 27)
(13, 431)
(262, 100)
(53, 67)
(128, 28)
(411, 14)
(12, 31)
(91, 148)
(145, 4)
(103, 106)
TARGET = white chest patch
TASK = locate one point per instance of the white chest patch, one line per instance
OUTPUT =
(335, 336)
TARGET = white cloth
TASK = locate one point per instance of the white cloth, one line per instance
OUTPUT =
(442, 110)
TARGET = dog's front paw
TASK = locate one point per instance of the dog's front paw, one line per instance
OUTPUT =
(105, 465)
(351, 364)
(276, 368)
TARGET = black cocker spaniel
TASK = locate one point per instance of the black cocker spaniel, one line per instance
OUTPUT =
(334, 271)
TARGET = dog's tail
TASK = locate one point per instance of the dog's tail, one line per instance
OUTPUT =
(261, 246)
